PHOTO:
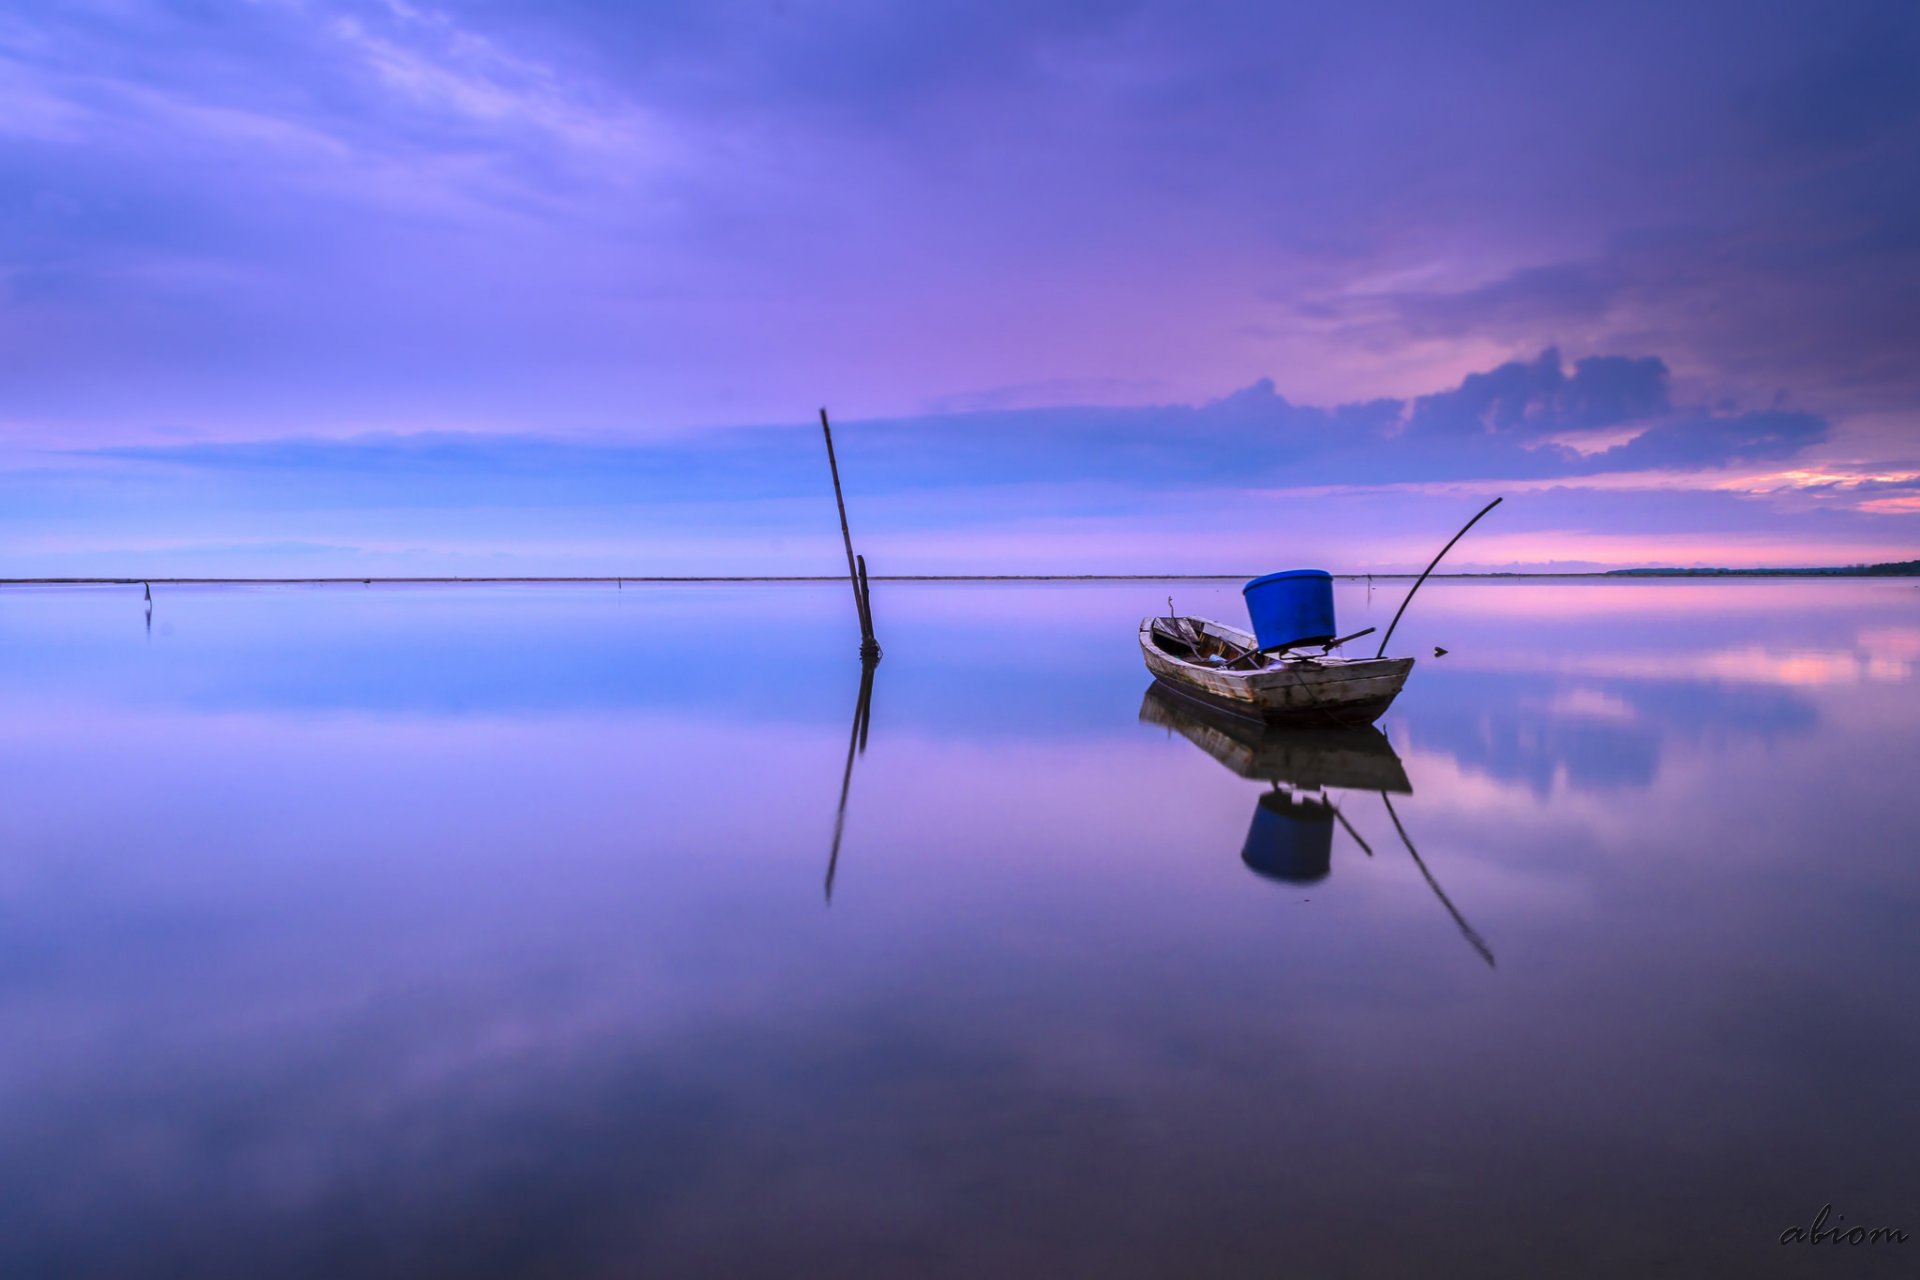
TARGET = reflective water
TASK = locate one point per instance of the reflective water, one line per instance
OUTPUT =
(491, 931)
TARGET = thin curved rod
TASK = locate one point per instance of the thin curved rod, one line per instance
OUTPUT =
(1388, 638)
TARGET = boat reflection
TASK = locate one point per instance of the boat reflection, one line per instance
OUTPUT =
(1311, 759)
(1291, 836)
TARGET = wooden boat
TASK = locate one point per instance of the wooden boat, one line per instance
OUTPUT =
(1218, 666)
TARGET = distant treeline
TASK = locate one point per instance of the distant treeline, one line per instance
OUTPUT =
(1897, 569)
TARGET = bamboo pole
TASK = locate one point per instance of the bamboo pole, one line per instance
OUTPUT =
(853, 573)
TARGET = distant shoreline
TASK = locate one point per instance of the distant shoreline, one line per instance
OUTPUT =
(1894, 569)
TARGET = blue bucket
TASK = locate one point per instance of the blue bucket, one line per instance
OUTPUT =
(1295, 607)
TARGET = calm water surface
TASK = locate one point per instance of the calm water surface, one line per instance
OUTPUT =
(487, 931)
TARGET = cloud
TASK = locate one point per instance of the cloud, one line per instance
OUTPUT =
(1529, 299)
(1702, 441)
(1496, 424)
(1527, 400)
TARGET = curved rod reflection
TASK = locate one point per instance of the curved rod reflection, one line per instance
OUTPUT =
(1468, 931)
(1291, 836)
(856, 745)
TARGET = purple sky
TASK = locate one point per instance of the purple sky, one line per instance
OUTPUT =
(555, 287)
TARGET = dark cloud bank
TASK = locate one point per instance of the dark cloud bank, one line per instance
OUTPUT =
(1508, 423)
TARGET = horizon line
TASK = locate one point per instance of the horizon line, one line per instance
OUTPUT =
(448, 579)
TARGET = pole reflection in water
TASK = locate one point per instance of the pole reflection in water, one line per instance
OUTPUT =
(1291, 836)
(856, 745)
(1468, 931)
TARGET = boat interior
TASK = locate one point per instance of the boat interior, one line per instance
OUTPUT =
(1206, 643)
(1210, 644)
(1196, 640)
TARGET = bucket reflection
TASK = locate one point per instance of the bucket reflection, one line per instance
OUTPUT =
(1291, 839)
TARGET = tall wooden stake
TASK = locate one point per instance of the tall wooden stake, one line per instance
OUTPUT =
(867, 642)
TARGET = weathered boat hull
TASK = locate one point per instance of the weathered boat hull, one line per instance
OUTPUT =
(1353, 713)
(1328, 692)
